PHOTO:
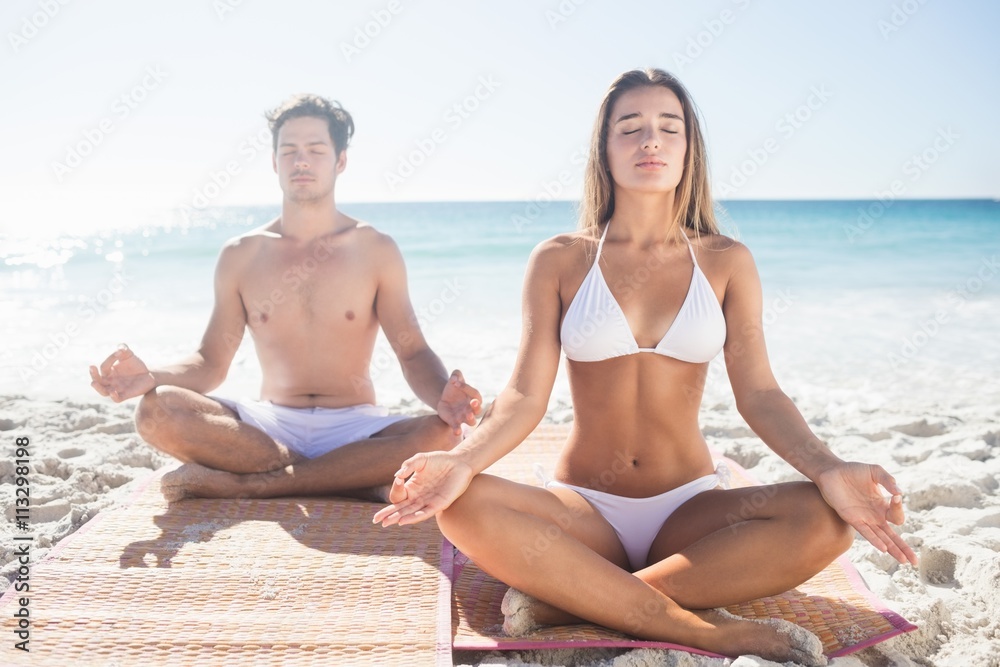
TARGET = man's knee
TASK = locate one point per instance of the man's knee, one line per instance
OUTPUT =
(157, 413)
(435, 435)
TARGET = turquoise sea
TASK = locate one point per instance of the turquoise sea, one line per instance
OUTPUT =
(865, 301)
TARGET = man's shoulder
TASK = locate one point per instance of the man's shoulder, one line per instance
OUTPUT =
(239, 252)
(252, 238)
(368, 238)
(369, 233)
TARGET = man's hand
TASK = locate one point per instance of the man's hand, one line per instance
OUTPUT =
(424, 485)
(459, 403)
(854, 491)
(122, 376)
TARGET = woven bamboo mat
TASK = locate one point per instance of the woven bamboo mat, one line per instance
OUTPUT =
(835, 604)
(237, 582)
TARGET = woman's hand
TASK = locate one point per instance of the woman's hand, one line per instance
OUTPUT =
(854, 491)
(425, 484)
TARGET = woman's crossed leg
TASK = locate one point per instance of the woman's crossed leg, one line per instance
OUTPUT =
(553, 545)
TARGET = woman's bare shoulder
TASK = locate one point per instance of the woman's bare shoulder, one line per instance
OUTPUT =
(561, 254)
(565, 247)
(721, 251)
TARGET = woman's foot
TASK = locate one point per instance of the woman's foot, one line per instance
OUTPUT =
(771, 638)
(518, 619)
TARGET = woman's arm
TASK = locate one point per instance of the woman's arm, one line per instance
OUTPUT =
(852, 489)
(433, 481)
(759, 399)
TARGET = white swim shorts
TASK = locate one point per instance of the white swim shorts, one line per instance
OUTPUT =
(312, 432)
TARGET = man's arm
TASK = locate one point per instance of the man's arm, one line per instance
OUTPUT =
(207, 368)
(123, 375)
(422, 368)
(427, 483)
(456, 402)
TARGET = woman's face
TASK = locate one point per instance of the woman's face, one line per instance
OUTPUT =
(646, 140)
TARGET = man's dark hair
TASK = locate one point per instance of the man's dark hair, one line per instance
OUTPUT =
(340, 123)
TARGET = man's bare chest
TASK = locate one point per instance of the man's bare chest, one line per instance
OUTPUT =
(286, 290)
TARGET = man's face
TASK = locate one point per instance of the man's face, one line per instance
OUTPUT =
(306, 161)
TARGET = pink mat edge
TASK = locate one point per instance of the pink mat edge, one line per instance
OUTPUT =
(444, 646)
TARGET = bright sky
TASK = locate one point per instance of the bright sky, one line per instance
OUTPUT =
(115, 107)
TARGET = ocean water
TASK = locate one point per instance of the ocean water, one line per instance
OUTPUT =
(866, 302)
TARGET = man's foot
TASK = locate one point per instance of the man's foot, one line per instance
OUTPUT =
(192, 480)
(373, 494)
(196, 481)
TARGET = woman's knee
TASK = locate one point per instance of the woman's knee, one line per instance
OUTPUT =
(831, 535)
(469, 510)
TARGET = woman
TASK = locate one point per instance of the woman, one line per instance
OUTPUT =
(641, 298)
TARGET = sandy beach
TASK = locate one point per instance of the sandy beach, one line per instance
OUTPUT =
(85, 456)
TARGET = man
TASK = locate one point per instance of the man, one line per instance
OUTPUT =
(313, 286)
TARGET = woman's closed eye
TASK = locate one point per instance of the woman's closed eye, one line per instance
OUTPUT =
(662, 129)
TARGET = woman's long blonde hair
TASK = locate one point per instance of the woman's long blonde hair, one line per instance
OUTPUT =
(693, 198)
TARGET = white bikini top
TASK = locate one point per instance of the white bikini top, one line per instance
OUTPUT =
(595, 327)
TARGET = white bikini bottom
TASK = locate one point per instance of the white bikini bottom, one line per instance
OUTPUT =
(637, 521)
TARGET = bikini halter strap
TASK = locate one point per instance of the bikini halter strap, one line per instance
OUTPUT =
(600, 244)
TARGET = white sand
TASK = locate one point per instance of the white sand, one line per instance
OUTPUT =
(85, 456)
